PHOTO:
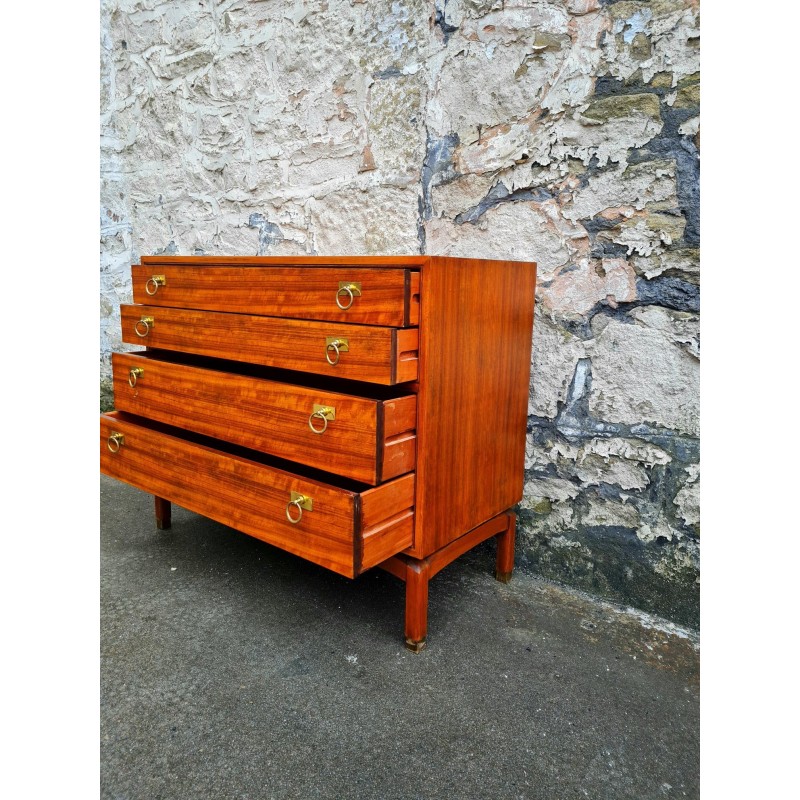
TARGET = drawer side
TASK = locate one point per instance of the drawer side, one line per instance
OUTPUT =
(399, 439)
(386, 520)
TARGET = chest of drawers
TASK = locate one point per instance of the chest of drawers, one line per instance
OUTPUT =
(358, 412)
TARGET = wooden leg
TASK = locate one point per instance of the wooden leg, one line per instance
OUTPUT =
(417, 573)
(505, 551)
(163, 514)
(417, 577)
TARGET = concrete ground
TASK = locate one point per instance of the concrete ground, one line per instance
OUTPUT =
(231, 669)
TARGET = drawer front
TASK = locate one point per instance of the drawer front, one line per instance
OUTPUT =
(340, 294)
(344, 530)
(360, 438)
(358, 352)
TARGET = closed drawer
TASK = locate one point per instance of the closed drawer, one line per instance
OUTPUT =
(348, 528)
(362, 438)
(358, 352)
(340, 294)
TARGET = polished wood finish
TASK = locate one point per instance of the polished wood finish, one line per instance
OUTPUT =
(387, 295)
(387, 519)
(406, 365)
(475, 356)
(412, 300)
(163, 513)
(418, 572)
(373, 262)
(505, 551)
(370, 440)
(377, 355)
(416, 622)
(377, 546)
(387, 500)
(251, 496)
(453, 430)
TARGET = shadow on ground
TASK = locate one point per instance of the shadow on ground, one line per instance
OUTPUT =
(230, 669)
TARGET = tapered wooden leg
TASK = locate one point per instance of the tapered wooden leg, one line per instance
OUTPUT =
(417, 577)
(417, 573)
(163, 514)
(505, 551)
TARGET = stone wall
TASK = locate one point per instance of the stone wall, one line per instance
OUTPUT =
(561, 131)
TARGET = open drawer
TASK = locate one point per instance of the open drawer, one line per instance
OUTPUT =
(355, 352)
(342, 293)
(297, 417)
(339, 524)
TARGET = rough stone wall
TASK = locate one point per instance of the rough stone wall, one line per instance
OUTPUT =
(561, 131)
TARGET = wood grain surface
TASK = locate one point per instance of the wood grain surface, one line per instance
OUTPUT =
(272, 416)
(251, 495)
(387, 296)
(475, 356)
(381, 262)
(376, 354)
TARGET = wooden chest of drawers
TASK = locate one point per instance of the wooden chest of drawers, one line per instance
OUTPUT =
(354, 411)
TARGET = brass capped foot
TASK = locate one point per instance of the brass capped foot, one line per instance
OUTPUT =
(503, 577)
(416, 647)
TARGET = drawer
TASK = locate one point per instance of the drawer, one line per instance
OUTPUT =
(339, 294)
(364, 352)
(368, 439)
(348, 527)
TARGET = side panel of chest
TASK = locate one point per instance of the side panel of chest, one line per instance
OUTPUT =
(475, 357)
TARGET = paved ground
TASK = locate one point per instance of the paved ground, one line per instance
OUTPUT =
(233, 670)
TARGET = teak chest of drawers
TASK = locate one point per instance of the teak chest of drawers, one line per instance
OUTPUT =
(355, 411)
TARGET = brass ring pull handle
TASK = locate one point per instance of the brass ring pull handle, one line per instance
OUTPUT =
(349, 291)
(298, 505)
(336, 347)
(148, 323)
(155, 281)
(134, 375)
(324, 413)
(324, 419)
(300, 502)
(115, 441)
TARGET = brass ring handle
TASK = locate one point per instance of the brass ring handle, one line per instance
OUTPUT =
(115, 441)
(155, 282)
(134, 375)
(298, 503)
(349, 289)
(147, 322)
(321, 415)
(335, 345)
